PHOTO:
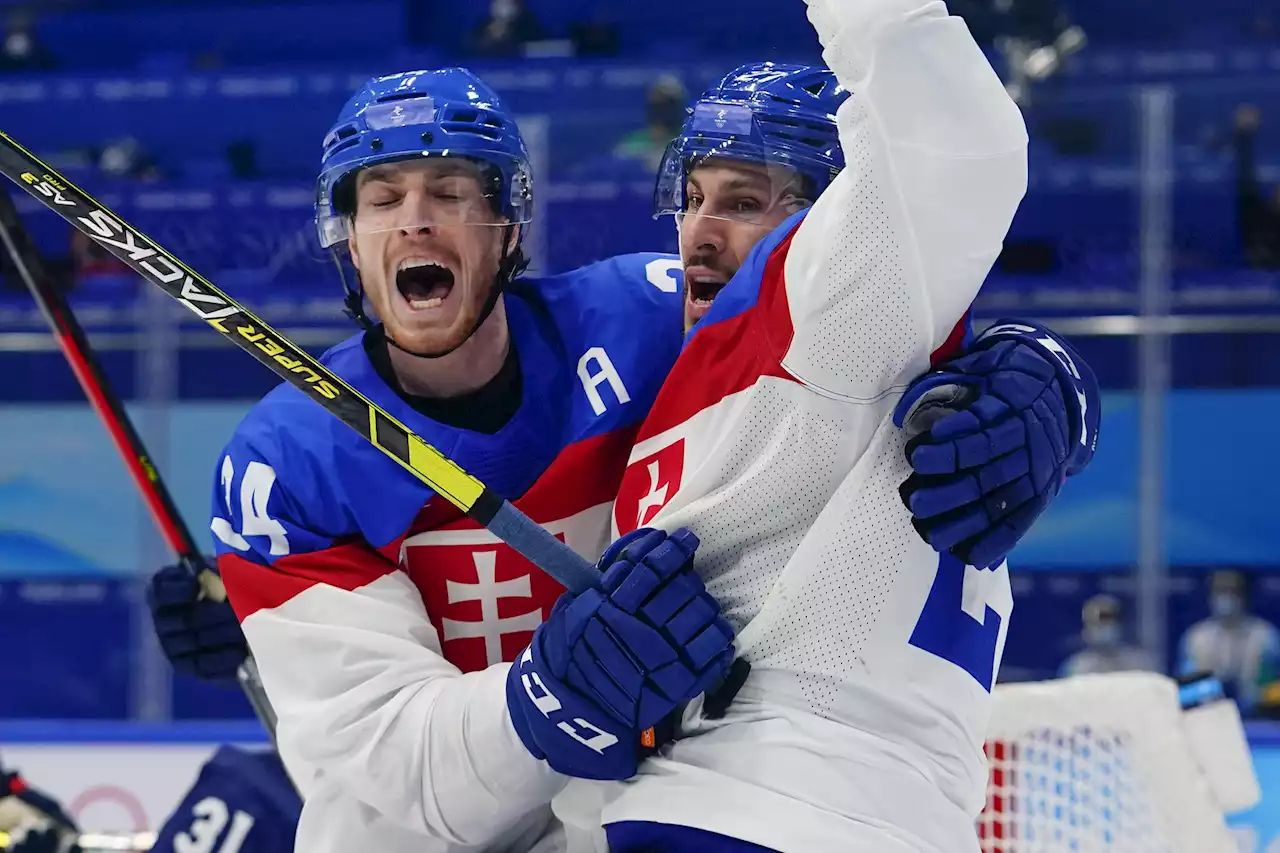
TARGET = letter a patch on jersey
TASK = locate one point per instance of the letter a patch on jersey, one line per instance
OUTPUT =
(649, 485)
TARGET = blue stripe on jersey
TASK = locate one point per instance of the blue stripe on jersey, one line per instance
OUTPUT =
(638, 836)
(110, 731)
(743, 290)
(296, 480)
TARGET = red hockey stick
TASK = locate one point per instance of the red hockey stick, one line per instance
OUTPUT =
(74, 345)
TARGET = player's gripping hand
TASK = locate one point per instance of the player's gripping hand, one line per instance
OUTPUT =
(199, 636)
(612, 662)
(995, 433)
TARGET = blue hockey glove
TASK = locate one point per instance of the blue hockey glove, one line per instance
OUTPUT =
(994, 435)
(612, 662)
(200, 637)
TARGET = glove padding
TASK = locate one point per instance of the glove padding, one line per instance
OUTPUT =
(199, 636)
(49, 839)
(33, 821)
(612, 662)
(991, 453)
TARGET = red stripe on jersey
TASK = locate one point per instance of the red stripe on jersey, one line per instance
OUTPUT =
(731, 355)
(484, 599)
(953, 346)
(585, 474)
(253, 586)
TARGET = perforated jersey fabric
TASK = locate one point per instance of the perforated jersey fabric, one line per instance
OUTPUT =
(861, 726)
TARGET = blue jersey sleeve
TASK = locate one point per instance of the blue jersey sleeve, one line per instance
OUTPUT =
(242, 802)
(620, 322)
(255, 514)
(299, 499)
(308, 520)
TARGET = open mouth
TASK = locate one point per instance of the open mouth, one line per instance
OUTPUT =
(424, 284)
(703, 289)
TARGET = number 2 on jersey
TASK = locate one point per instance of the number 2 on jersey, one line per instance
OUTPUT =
(965, 617)
(666, 274)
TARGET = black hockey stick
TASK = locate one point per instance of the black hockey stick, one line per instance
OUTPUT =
(295, 366)
(84, 364)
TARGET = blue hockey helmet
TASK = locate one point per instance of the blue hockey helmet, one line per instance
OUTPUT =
(449, 113)
(767, 113)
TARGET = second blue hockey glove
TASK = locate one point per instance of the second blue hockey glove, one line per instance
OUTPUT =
(994, 439)
(612, 662)
(200, 637)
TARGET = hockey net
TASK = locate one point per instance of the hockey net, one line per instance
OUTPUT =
(1096, 763)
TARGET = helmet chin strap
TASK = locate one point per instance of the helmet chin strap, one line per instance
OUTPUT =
(509, 266)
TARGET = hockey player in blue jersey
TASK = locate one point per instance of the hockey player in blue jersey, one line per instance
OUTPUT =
(242, 802)
(382, 620)
(534, 385)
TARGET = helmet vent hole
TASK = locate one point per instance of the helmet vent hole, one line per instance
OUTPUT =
(343, 146)
(400, 96)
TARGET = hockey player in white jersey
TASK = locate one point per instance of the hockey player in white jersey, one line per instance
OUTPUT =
(830, 254)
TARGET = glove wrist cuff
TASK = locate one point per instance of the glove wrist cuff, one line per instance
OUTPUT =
(1079, 386)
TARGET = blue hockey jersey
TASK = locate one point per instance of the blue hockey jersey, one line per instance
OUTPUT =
(242, 802)
(380, 616)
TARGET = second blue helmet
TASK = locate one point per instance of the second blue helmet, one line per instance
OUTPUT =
(768, 113)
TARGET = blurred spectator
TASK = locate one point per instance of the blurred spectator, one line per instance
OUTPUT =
(1035, 37)
(595, 38)
(22, 50)
(1263, 27)
(126, 158)
(1257, 213)
(1241, 649)
(664, 113)
(1105, 648)
(509, 27)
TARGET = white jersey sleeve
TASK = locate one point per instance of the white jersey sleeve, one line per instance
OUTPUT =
(861, 724)
(901, 240)
(389, 742)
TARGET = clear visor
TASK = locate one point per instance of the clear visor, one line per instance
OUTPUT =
(720, 168)
(737, 181)
(428, 192)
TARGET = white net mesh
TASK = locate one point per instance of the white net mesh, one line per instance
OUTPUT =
(1096, 763)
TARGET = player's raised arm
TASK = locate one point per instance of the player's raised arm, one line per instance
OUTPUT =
(901, 240)
(370, 712)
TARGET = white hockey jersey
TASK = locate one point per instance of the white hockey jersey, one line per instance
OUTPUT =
(861, 725)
